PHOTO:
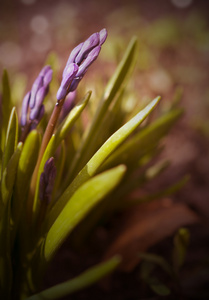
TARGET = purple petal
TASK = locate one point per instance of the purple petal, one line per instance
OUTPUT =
(92, 56)
(74, 84)
(66, 81)
(48, 77)
(68, 104)
(102, 36)
(73, 54)
(39, 100)
(88, 45)
(24, 111)
(41, 113)
(45, 70)
(61, 93)
(38, 118)
(38, 83)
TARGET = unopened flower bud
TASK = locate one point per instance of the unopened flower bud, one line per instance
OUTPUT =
(47, 180)
(34, 99)
(82, 56)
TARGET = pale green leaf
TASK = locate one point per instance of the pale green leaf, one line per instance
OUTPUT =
(25, 169)
(78, 206)
(9, 174)
(6, 106)
(101, 155)
(80, 282)
(144, 141)
(181, 242)
(67, 124)
(11, 138)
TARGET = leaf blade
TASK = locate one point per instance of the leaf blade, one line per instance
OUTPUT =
(84, 280)
(100, 156)
(86, 197)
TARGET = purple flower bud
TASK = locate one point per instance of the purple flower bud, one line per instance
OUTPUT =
(73, 55)
(38, 83)
(68, 105)
(75, 83)
(24, 111)
(102, 36)
(38, 118)
(45, 70)
(39, 100)
(34, 99)
(88, 45)
(66, 81)
(47, 180)
(48, 77)
(82, 56)
(92, 56)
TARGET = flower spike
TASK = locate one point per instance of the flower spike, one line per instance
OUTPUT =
(82, 56)
(33, 101)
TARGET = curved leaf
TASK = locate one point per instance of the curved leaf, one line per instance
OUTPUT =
(9, 173)
(77, 207)
(100, 156)
(24, 172)
(6, 106)
(11, 138)
(144, 141)
(84, 280)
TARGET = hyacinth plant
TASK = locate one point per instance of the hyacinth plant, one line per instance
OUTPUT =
(58, 174)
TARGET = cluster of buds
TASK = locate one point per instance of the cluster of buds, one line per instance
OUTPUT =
(33, 100)
(78, 62)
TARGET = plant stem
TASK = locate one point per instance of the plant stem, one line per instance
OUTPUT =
(46, 138)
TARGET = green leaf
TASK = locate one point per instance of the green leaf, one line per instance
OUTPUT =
(159, 288)
(158, 260)
(181, 242)
(166, 192)
(78, 206)
(9, 174)
(84, 280)
(11, 138)
(147, 267)
(5, 248)
(6, 106)
(116, 83)
(25, 169)
(144, 141)
(67, 124)
(100, 156)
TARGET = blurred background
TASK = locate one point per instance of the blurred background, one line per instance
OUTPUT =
(173, 54)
